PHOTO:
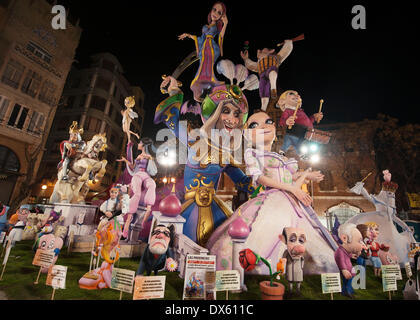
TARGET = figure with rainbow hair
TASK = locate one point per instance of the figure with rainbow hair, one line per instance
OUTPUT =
(208, 49)
(223, 111)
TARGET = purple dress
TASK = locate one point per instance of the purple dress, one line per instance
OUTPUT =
(268, 214)
(208, 51)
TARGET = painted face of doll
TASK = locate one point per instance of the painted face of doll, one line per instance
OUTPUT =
(216, 12)
(229, 118)
(73, 137)
(261, 129)
(261, 54)
(292, 99)
(374, 232)
(159, 241)
(113, 193)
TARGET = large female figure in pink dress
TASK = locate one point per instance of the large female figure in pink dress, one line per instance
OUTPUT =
(208, 49)
(142, 184)
(282, 204)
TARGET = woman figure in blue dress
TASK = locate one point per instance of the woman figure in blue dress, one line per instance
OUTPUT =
(208, 49)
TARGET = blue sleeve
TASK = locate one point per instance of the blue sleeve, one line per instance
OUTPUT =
(168, 113)
(242, 181)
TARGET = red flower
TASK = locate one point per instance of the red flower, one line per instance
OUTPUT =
(248, 259)
(246, 43)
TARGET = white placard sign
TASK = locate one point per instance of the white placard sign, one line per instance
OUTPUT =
(228, 280)
(196, 267)
(389, 282)
(43, 258)
(392, 268)
(122, 280)
(152, 287)
(56, 277)
(331, 282)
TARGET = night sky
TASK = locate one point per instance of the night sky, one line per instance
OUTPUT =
(358, 73)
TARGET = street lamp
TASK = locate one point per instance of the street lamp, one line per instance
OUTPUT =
(44, 187)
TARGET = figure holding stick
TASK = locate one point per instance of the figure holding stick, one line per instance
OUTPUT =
(320, 109)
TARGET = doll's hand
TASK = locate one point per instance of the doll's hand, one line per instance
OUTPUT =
(183, 36)
(318, 116)
(224, 19)
(169, 84)
(244, 54)
(316, 176)
(346, 274)
(302, 196)
(290, 121)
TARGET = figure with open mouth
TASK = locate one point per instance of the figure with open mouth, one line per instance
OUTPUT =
(208, 49)
(211, 151)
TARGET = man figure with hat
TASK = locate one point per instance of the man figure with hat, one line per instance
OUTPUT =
(70, 148)
(267, 68)
(289, 101)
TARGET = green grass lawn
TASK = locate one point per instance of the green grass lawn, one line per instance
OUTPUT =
(20, 274)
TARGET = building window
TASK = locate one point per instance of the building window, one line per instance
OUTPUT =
(75, 82)
(4, 106)
(82, 101)
(31, 83)
(35, 125)
(108, 65)
(118, 118)
(93, 124)
(18, 116)
(103, 83)
(70, 102)
(327, 184)
(8, 160)
(13, 73)
(39, 52)
(98, 103)
(47, 94)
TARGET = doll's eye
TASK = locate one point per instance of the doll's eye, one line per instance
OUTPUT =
(269, 121)
(253, 125)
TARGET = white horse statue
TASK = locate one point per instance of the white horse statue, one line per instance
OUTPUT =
(86, 166)
(385, 217)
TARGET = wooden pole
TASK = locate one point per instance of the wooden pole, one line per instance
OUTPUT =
(389, 294)
(4, 267)
(227, 294)
(53, 293)
(296, 110)
(39, 274)
(332, 296)
(121, 295)
(320, 107)
(366, 176)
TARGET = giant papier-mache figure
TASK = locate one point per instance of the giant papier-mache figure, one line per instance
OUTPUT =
(208, 49)
(224, 108)
(267, 67)
(80, 163)
(70, 148)
(282, 204)
(351, 246)
(385, 217)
